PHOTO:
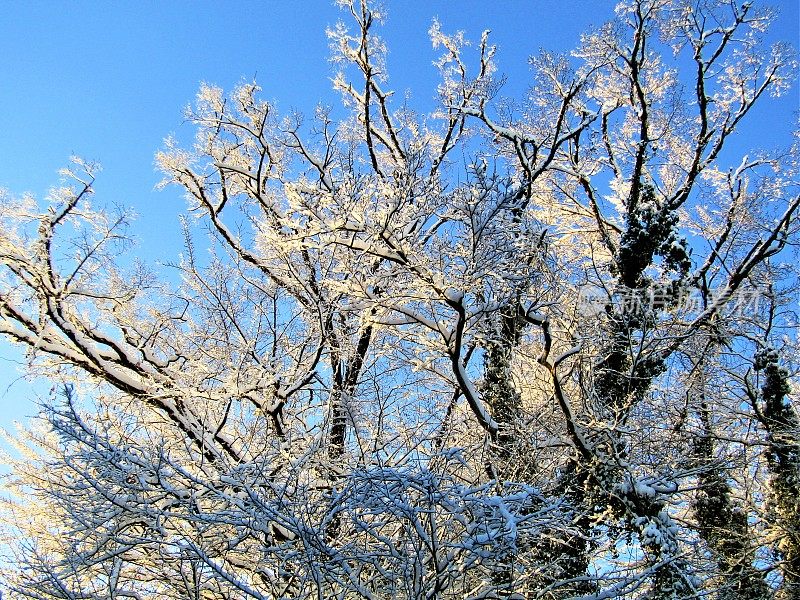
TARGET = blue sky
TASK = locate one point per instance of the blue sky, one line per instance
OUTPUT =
(108, 81)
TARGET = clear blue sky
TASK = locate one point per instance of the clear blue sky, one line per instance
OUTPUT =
(108, 81)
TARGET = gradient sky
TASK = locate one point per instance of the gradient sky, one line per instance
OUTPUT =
(108, 81)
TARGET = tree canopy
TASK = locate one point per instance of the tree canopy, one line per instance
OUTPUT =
(533, 347)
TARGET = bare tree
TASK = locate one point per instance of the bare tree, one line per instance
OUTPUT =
(540, 349)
